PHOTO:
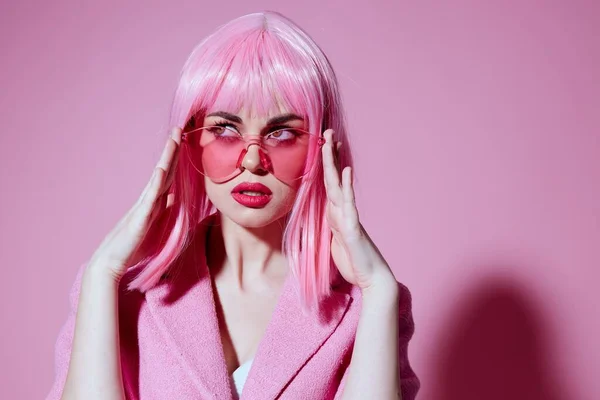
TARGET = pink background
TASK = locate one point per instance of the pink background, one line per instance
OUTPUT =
(477, 133)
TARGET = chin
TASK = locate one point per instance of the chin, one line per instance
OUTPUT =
(253, 217)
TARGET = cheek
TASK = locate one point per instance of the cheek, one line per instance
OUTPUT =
(217, 193)
(284, 196)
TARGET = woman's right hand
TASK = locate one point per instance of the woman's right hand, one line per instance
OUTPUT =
(92, 338)
(127, 243)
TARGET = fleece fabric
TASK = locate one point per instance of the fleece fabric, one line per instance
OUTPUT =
(171, 348)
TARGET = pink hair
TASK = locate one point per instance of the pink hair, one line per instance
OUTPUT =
(265, 60)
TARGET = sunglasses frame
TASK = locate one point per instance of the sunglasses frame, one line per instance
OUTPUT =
(249, 141)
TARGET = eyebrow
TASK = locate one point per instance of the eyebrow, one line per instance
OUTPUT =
(280, 119)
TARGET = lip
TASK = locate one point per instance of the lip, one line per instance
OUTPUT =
(252, 201)
(252, 187)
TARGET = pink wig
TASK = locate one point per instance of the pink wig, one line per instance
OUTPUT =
(258, 61)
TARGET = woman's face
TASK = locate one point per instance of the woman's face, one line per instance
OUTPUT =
(243, 199)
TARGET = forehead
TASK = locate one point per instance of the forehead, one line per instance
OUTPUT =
(246, 115)
(259, 109)
(251, 110)
(254, 97)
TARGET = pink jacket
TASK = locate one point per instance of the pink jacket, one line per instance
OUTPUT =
(171, 348)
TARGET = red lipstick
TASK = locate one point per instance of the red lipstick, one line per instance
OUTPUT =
(252, 194)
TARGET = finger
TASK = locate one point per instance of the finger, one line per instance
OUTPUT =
(142, 209)
(331, 176)
(176, 134)
(151, 191)
(347, 185)
(138, 216)
(350, 210)
(168, 159)
(167, 154)
(145, 191)
(336, 155)
(148, 202)
(167, 150)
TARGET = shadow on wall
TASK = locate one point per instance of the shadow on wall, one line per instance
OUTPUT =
(496, 347)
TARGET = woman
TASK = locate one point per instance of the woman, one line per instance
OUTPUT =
(243, 264)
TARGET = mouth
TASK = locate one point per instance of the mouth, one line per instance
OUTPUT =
(252, 194)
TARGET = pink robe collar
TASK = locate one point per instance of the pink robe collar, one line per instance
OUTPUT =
(185, 311)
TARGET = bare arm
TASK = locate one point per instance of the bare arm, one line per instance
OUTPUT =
(377, 353)
(373, 371)
(95, 366)
(90, 337)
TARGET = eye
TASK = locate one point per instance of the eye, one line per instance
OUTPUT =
(282, 134)
(223, 129)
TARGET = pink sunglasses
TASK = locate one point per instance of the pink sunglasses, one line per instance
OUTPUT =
(218, 151)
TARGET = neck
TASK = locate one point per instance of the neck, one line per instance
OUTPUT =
(246, 254)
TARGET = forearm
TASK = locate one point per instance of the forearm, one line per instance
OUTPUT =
(95, 367)
(373, 371)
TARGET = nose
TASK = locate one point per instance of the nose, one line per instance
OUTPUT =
(252, 160)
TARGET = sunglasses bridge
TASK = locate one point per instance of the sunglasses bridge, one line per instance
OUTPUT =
(265, 161)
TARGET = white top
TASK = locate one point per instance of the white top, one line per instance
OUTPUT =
(238, 378)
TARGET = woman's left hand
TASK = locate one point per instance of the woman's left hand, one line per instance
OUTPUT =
(354, 253)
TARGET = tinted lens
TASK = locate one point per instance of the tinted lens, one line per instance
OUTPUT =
(214, 151)
(290, 151)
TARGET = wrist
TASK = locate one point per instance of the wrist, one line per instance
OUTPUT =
(382, 289)
(102, 272)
